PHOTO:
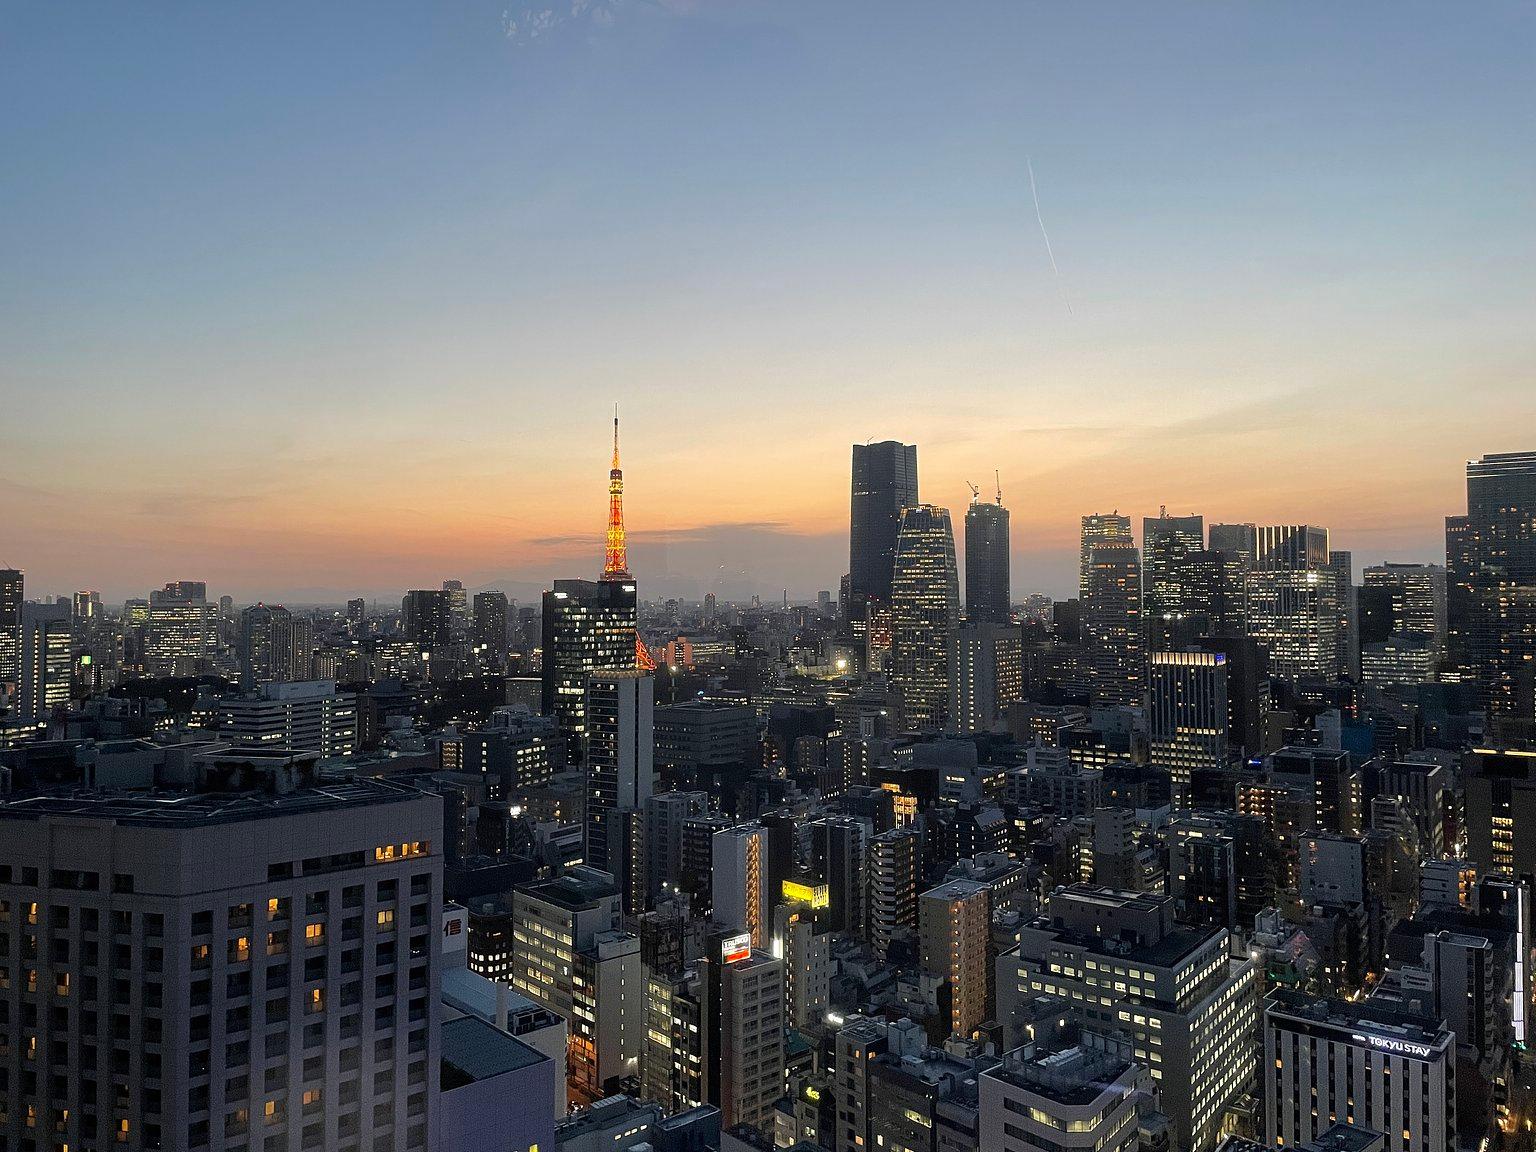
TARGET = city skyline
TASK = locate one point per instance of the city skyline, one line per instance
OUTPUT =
(734, 575)
(392, 291)
(1053, 570)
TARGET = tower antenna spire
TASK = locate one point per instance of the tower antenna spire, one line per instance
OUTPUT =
(616, 550)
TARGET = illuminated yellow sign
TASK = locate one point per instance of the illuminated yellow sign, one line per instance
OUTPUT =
(816, 895)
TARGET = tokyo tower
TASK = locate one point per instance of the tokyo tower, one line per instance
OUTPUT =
(616, 551)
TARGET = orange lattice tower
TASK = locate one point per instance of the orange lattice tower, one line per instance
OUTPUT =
(616, 555)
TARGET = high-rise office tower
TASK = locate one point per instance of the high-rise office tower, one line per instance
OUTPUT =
(1417, 598)
(217, 969)
(1188, 721)
(274, 647)
(741, 1021)
(46, 659)
(87, 606)
(987, 593)
(1247, 690)
(1212, 584)
(135, 621)
(884, 483)
(1112, 624)
(458, 605)
(181, 630)
(1167, 543)
(894, 864)
(1293, 607)
(574, 959)
(1239, 540)
(925, 611)
(1188, 1006)
(588, 625)
(426, 618)
(357, 616)
(1347, 611)
(987, 674)
(620, 752)
(1100, 528)
(12, 585)
(1491, 595)
(1367, 1065)
(954, 928)
(490, 627)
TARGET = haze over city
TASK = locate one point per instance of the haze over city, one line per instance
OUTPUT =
(317, 301)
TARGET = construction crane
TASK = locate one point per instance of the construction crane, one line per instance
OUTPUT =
(998, 476)
(975, 491)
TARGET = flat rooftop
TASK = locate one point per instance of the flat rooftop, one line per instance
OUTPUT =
(161, 808)
(1380, 1020)
(1073, 1075)
(479, 1051)
(575, 890)
(1164, 953)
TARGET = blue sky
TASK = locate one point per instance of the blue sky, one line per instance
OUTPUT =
(314, 299)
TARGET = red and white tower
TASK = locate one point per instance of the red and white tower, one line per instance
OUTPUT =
(616, 551)
(616, 556)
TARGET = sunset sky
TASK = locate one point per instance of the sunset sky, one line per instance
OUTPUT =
(319, 300)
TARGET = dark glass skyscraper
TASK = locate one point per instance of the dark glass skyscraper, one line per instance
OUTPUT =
(1167, 542)
(588, 625)
(490, 629)
(1490, 556)
(884, 482)
(426, 617)
(986, 563)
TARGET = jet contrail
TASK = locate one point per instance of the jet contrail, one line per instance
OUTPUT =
(1055, 270)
